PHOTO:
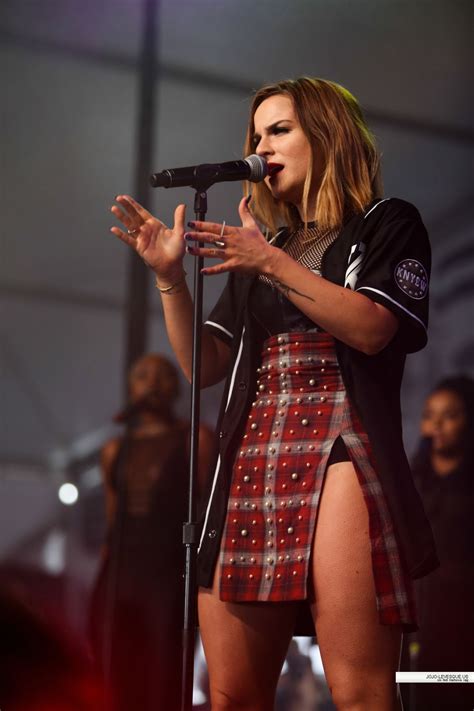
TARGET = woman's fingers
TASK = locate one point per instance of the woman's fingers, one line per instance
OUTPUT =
(211, 227)
(123, 236)
(202, 237)
(213, 253)
(133, 208)
(179, 216)
(246, 216)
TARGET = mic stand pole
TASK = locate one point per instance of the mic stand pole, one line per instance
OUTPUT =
(190, 533)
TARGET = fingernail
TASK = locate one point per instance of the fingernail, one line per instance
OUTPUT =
(191, 224)
(204, 271)
(189, 249)
(188, 236)
(117, 197)
(249, 197)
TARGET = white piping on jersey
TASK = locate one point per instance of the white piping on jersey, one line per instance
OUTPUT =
(216, 473)
(373, 208)
(386, 296)
(221, 328)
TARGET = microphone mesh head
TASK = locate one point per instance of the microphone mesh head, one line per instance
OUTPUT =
(258, 168)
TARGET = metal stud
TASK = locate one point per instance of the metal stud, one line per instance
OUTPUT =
(251, 576)
(261, 387)
(320, 412)
(244, 532)
(268, 576)
(312, 381)
(294, 476)
(252, 560)
(291, 529)
(231, 561)
(246, 478)
(270, 561)
(304, 422)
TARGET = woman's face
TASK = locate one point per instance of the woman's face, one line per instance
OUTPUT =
(444, 422)
(279, 138)
(149, 378)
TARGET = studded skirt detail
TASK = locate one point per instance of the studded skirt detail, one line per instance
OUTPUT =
(300, 409)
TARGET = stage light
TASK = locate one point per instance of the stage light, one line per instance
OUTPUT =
(68, 494)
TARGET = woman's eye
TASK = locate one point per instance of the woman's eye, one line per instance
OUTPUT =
(280, 129)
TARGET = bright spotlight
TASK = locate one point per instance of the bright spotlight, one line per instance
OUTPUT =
(68, 494)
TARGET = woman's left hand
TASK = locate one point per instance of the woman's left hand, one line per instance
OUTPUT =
(241, 249)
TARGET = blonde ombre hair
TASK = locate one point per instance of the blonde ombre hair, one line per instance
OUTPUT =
(332, 121)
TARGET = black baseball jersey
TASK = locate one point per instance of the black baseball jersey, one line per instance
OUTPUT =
(385, 255)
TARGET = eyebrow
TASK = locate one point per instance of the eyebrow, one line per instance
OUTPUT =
(272, 126)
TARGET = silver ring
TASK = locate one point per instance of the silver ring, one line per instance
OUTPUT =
(133, 232)
(218, 242)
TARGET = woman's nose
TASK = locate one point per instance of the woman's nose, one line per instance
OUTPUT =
(264, 147)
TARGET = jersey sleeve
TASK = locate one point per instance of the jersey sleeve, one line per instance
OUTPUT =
(395, 273)
(222, 319)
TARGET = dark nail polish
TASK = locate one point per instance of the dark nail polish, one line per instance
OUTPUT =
(187, 236)
(191, 224)
(189, 249)
(249, 197)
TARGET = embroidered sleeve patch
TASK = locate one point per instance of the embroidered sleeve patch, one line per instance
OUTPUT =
(411, 278)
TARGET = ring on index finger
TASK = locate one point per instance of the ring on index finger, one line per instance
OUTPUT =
(220, 242)
(132, 233)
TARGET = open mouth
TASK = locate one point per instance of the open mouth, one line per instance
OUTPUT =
(274, 168)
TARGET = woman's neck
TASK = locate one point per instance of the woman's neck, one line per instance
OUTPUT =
(445, 464)
(154, 422)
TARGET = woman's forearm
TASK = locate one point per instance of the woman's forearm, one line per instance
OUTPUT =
(347, 315)
(178, 312)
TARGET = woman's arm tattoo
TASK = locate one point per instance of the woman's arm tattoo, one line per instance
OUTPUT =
(285, 290)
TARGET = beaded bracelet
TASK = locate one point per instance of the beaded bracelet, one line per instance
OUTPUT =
(169, 289)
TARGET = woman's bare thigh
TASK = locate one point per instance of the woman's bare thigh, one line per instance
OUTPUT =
(360, 655)
(245, 646)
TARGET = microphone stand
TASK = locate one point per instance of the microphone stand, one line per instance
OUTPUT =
(190, 532)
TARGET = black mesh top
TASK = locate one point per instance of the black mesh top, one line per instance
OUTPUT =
(273, 312)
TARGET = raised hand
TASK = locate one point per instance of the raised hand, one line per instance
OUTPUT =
(242, 249)
(161, 247)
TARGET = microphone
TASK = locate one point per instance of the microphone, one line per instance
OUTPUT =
(253, 168)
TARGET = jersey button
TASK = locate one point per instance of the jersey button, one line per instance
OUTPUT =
(242, 385)
(222, 434)
(212, 533)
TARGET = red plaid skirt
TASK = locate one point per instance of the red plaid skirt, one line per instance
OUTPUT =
(300, 409)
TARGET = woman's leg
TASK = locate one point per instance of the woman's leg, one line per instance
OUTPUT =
(245, 646)
(360, 656)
